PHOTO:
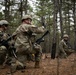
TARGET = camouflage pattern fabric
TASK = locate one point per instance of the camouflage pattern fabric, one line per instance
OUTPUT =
(23, 41)
(3, 36)
(64, 49)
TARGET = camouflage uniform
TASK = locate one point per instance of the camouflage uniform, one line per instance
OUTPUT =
(23, 42)
(3, 36)
(31, 57)
(64, 48)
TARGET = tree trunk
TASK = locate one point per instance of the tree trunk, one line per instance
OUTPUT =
(21, 8)
(25, 6)
(74, 12)
(53, 52)
(7, 10)
(60, 14)
(68, 32)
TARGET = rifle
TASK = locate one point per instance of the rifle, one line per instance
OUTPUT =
(5, 43)
(38, 41)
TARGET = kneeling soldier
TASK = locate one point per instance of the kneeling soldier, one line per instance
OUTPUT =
(65, 48)
(23, 42)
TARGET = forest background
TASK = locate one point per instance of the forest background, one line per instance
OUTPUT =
(58, 16)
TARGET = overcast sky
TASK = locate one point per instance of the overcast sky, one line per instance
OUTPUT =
(1, 0)
(31, 2)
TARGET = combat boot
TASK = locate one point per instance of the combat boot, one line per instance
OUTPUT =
(13, 67)
(37, 64)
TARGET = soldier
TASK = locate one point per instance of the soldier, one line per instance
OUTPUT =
(23, 42)
(3, 36)
(65, 48)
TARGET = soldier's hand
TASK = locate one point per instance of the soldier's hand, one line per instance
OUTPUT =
(37, 46)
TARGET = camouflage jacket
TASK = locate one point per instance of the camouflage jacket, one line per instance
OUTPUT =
(3, 36)
(23, 34)
(64, 49)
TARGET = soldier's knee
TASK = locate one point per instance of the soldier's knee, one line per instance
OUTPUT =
(2, 54)
(3, 49)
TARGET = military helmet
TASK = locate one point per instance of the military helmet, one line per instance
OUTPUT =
(65, 36)
(4, 22)
(26, 17)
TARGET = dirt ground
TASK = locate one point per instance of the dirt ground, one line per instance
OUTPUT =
(48, 67)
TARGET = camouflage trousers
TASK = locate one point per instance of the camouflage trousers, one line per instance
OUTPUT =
(23, 53)
(67, 51)
(2, 54)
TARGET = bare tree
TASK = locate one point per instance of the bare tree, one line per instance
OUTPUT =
(74, 12)
(54, 42)
(7, 10)
(23, 7)
(60, 14)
